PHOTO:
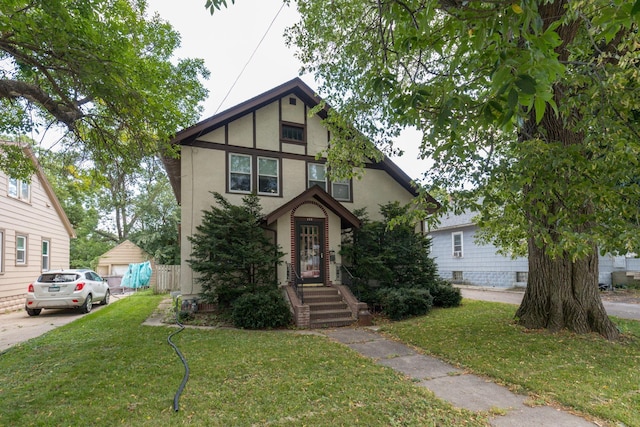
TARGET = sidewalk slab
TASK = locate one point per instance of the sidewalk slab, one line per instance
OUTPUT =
(451, 384)
(350, 335)
(420, 367)
(540, 416)
(382, 349)
(473, 393)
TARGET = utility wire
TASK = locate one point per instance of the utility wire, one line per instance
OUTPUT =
(250, 58)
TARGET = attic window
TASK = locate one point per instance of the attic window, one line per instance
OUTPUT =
(292, 101)
(292, 132)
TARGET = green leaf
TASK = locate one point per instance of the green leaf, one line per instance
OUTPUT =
(512, 99)
(526, 84)
(540, 106)
(636, 8)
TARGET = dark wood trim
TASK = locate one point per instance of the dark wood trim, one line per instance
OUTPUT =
(302, 92)
(322, 224)
(255, 126)
(348, 219)
(293, 141)
(250, 151)
(293, 87)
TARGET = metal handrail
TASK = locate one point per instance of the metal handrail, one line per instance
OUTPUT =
(294, 279)
(348, 279)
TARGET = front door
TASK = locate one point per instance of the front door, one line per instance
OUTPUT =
(310, 246)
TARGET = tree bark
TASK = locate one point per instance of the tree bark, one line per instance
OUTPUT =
(66, 113)
(564, 294)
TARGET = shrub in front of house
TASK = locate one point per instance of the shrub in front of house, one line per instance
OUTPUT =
(445, 295)
(402, 303)
(389, 254)
(232, 254)
(264, 309)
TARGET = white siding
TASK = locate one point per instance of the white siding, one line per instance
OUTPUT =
(480, 265)
(483, 266)
(38, 220)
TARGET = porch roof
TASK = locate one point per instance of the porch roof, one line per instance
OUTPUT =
(348, 219)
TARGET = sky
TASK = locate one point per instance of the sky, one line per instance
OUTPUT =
(226, 41)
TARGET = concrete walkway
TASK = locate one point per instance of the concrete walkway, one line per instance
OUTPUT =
(453, 385)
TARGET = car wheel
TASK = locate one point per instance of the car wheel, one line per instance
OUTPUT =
(105, 300)
(33, 311)
(88, 304)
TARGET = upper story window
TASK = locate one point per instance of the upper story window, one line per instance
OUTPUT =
(456, 243)
(19, 189)
(21, 250)
(292, 132)
(45, 255)
(239, 173)
(317, 175)
(268, 176)
(341, 189)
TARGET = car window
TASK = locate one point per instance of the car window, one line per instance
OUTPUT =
(95, 277)
(58, 277)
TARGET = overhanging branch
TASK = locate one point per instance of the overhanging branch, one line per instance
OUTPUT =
(14, 89)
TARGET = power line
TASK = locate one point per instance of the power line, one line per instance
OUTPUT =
(250, 58)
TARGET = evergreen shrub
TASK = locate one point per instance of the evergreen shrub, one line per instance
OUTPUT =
(389, 255)
(445, 295)
(263, 309)
(402, 303)
(232, 254)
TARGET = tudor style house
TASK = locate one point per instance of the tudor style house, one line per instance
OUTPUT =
(35, 233)
(269, 145)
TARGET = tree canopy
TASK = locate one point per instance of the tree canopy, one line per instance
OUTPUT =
(530, 113)
(107, 204)
(101, 68)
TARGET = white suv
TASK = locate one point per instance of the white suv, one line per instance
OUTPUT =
(66, 289)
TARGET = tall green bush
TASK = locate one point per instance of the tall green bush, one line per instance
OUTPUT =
(261, 310)
(231, 253)
(389, 254)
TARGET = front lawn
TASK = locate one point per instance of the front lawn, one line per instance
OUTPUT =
(108, 369)
(583, 372)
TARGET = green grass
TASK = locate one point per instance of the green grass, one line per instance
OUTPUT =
(108, 369)
(584, 372)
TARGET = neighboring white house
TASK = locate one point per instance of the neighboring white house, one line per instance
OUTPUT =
(463, 261)
(35, 233)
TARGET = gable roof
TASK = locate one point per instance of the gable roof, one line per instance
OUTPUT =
(292, 87)
(296, 87)
(46, 185)
(126, 245)
(348, 220)
(453, 221)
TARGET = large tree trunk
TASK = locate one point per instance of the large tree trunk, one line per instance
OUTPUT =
(564, 294)
(560, 293)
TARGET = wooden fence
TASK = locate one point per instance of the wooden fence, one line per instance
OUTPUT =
(167, 278)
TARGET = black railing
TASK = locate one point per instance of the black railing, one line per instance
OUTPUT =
(295, 281)
(348, 279)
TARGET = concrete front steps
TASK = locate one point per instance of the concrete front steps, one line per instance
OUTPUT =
(327, 309)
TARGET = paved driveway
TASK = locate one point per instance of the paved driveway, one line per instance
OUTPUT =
(18, 326)
(623, 310)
